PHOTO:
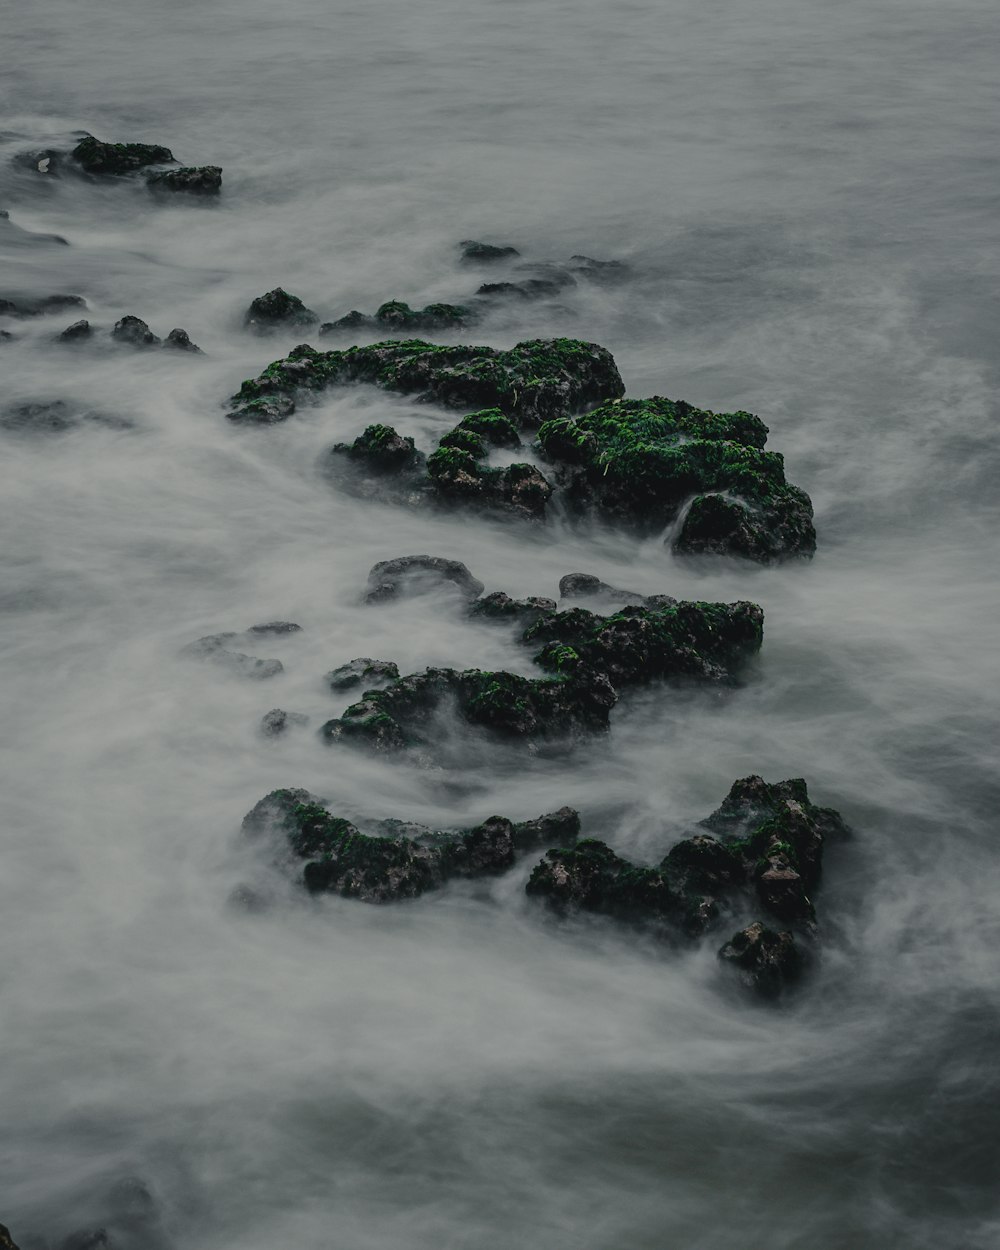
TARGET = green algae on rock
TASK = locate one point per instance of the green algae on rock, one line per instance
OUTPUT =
(389, 866)
(115, 159)
(531, 383)
(641, 462)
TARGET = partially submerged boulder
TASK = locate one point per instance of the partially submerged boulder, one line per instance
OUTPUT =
(342, 859)
(6, 1240)
(766, 962)
(115, 159)
(190, 180)
(380, 449)
(476, 253)
(17, 305)
(499, 606)
(363, 673)
(277, 310)
(586, 586)
(220, 649)
(133, 332)
(277, 722)
(650, 462)
(408, 575)
(533, 381)
(56, 416)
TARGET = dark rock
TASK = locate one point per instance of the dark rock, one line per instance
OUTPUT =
(390, 579)
(6, 1240)
(705, 642)
(39, 305)
(460, 478)
(55, 417)
(134, 332)
(398, 316)
(561, 828)
(381, 450)
(6, 336)
(528, 384)
(508, 705)
(586, 586)
(640, 462)
(474, 253)
(604, 272)
(203, 180)
(181, 341)
(766, 962)
(349, 323)
(492, 427)
(115, 159)
(218, 649)
(363, 673)
(277, 721)
(501, 607)
(77, 332)
(344, 860)
(275, 629)
(591, 877)
(277, 310)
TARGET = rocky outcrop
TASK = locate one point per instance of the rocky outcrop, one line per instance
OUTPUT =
(6, 1240)
(278, 310)
(398, 317)
(115, 159)
(390, 866)
(363, 673)
(220, 650)
(765, 962)
(529, 383)
(647, 463)
(133, 332)
(475, 253)
(407, 575)
(201, 180)
(16, 305)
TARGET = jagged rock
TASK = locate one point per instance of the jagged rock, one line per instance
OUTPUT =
(363, 673)
(342, 859)
(277, 310)
(640, 462)
(38, 305)
(684, 641)
(506, 704)
(77, 332)
(200, 180)
(395, 315)
(381, 450)
(586, 586)
(460, 477)
(218, 649)
(491, 426)
(277, 721)
(528, 383)
(6, 1240)
(180, 340)
(390, 579)
(134, 332)
(703, 877)
(115, 159)
(501, 607)
(766, 962)
(348, 324)
(475, 253)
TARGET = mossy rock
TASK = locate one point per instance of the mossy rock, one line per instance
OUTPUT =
(116, 159)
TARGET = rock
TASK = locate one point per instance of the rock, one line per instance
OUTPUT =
(218, 649)
(491, 426)
(702, 878)
(6, 336)
(641, 462)
(506, 704)
(460, 478)
(705, 642)
(349, 323)
(533, 381)
(274, 629)
(55, 417)
(6, 1240)
(115, 159)
(586, 586)
(390, 579)
(501, 607)
(342, 859)
(381, 450)
(277, 310)
(363, 673)
(76, 333)
(474, 253)
(38, 305)
(766, 962)
(203, 180)
(180, 340)
(277, 721)
(134, 332)
(604, 272)
(400, 317)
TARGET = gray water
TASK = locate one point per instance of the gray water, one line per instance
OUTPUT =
(807, 195)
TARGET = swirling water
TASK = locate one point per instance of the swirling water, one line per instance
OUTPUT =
(807, 196)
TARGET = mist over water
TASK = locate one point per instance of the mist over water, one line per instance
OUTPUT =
(807, 197)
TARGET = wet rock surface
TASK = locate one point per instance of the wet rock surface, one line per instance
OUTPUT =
(204, 180)
(363, 673)
(408, 575)
(277, 722)
(278, 310)
(115, 159)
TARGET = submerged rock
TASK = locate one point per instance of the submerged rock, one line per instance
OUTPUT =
(380, 449)
(38, 305)
(77, 332)
(475, 253)
(704, 878)
(55, 417)
(6, 1240)
(115, 159)
(363, 673)
(643, 462)
(395, 315)
(277, 310)
(278, 721)
(348, 324)
(766, 962)
(391, 579)
(586, 586)
(191, 180)
(342, 859)
(134, 332)
(501, 607)
(460, 477)
(533, 381)
(218, 649)
(180, 341)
